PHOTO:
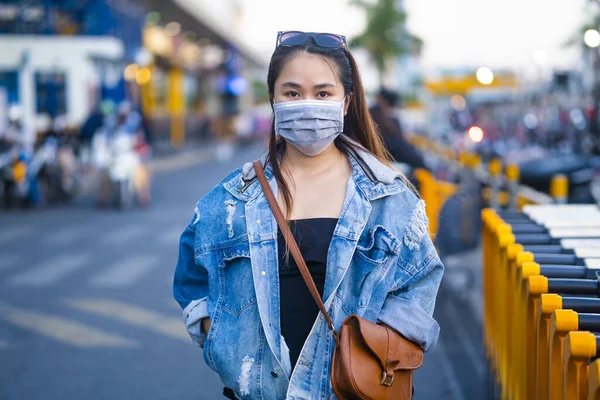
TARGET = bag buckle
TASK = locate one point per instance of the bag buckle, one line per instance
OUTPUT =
(387, 380)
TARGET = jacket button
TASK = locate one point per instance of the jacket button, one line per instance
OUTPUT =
(274, 374)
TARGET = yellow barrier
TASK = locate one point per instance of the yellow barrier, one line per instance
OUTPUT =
(579, 348)
(549, 302)
(435, 194)
(593, 386)
(533, 345)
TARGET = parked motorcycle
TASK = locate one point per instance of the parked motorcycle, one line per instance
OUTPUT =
(123, 165)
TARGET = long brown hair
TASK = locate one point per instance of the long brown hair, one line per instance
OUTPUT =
(358, 123)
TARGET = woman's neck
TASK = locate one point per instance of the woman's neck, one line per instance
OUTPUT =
(298, 163)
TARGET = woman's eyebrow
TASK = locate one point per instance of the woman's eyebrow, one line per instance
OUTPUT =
(292, 84)
(323, 85)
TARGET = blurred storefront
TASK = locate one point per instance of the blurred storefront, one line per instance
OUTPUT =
(197, 67)
(180, 61)
(60, 57)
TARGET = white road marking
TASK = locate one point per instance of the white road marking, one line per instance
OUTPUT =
(64, 237)
(15, 232)
(171, 235)
(125, 272)
(62, 329)
(123, 235)
(133, 315)
(50, 271)
(8, 261)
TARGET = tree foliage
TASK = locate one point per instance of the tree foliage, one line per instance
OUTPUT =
(385, 36)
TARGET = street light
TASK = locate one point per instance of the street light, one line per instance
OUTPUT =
(485, 76)
(476, 134)
(591, 38)
(458, 102)
(173, 28)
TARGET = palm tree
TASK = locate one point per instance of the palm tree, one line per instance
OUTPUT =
(385, 36)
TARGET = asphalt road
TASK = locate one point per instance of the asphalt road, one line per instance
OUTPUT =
(86, 310)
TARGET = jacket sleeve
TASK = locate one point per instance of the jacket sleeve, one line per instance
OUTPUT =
(408, 307)
(190, 286)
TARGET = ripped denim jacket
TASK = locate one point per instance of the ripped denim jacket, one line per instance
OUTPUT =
(381, 265)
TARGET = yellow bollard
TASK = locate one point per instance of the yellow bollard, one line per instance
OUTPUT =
(535, 287)
(512, 177)
(504, 240)
(512, 172)
(559, 189)
(495, 169)
(428, 191)
(561, 323)
(549, 302)
(521, 275)
(579, 348)
(511, 300)
(489, 219)
(594, 381)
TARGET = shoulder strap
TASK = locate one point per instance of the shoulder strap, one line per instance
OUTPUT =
(291, 242)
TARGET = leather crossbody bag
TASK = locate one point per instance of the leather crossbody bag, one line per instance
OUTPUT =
(370, 361)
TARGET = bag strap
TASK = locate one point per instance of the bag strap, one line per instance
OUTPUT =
(291, 242)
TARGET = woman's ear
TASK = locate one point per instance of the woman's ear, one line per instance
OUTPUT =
(347, 103)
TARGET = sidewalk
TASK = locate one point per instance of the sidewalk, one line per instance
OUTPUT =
(460, 352)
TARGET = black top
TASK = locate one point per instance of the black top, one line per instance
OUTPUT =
(298, 308)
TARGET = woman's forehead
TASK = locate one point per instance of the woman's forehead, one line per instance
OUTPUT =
(306, 69)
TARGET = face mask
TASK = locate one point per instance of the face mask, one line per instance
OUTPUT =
(310, 125)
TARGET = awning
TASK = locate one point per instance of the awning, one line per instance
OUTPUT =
(193, 18)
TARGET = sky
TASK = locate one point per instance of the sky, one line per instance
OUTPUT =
(457, 33)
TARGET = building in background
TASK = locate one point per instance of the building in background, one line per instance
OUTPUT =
(174, 59)
(60, 57)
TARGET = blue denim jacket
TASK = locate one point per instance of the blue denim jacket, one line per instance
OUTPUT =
(381, 265)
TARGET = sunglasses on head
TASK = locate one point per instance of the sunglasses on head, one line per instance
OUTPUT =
(323, 40)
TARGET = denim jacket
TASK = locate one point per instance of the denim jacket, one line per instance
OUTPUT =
(381, 265)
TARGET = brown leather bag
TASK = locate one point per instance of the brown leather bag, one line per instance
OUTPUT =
(370, 361)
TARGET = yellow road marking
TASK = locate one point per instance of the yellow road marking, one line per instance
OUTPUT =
(62, 329)
(133, 315)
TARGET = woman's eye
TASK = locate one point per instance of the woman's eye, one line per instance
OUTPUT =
(323, 95)
(292, 94)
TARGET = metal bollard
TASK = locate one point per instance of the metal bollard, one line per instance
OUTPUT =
(548, 304)
(559, 189)
(512, 180)
(580, 347)
(593, 384)
(561, 323)
(495, 169)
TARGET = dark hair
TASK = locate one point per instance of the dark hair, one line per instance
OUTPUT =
(389, 96)
(358, 123)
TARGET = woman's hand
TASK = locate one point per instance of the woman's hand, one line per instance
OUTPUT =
(206, 325)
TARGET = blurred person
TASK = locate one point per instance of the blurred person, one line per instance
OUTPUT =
(356, 218)
(65, 154)
(224, 126)
(101, 157)
(91, 125)
(19, 133)
(383, 114)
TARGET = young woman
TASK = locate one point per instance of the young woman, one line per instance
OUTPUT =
(360, 228)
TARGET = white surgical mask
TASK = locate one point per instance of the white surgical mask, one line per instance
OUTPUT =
(310, 125)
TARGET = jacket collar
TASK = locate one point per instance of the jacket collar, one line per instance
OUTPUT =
(374, 178)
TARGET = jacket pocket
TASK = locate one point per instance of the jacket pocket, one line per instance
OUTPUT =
(377, 245)
(236, 281)
(375, 252)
